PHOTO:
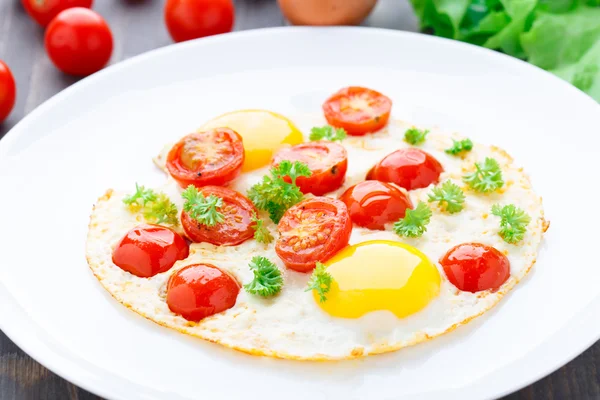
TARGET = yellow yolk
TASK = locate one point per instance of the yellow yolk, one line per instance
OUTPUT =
(262, 131)
(380, 275)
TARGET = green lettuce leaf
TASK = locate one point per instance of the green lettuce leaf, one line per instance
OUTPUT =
(508, 39)
(442, 16)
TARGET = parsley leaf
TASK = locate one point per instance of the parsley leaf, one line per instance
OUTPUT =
(415, 136)
(414, 223)
(157, 208)
(450, 194)
(273, 194)
(459, 146)
(486, 178)
(202, 209)
(261, 233)
(320, 281)
(327, 133)
(267, 277)
(513, 222)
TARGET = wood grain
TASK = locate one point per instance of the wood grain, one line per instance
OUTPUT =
(137, 27)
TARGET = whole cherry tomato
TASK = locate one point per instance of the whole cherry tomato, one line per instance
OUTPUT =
(408, 168)
(473, 267)
(43, 11)
(201, 290)
(192, 19)
(79, 41)
(8, 91)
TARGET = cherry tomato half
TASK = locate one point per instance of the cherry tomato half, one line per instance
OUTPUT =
(408, 168)
(473, 267)
(235, 229)
(43, 11)
(201, 290)
(79, 41)
(358, 110)
(192, 19)
(214, 157)
(372, 204)
(147, 250)
(327, 161)
(312, 230)
(8, 91)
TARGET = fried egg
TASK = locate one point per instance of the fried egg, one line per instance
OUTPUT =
(388, 292)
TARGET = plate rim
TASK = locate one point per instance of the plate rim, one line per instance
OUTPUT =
(58, 362)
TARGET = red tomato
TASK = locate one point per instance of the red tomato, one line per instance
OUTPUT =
(214, 157)
(237, 227)
(147, 250)
(43, 11)
(79, 41)
(358, 110)
(201, 290)
(312, 230)
(408, 168)
(473, 267)
(192, 19)
(8, 91)
(327, 161)
(372, 204)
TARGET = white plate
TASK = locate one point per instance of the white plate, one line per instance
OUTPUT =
(103, 131)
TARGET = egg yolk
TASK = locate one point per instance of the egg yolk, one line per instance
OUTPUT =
(379, 275)
(263, 133)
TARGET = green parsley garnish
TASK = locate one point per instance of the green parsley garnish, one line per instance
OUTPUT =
(320, 281)
(327, 133)
(275, 195)
(415, 136)
(449, 195)
(261, 233)
(202, 209)
(486, 178)
(414, 223)
(157, 208)
(459, 146)
(513, 222)
(267, 277)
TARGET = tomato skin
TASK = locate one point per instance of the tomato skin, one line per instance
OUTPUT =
(408, 168)
(473, 267)
(372, 204)
(327, 161)
(147, 250)
(79, 41)
(223, 170)
(192, 19)
(8, 91)
(200, 290)
(358, 110)
(237, 227)
(329, 231)
(44, 11)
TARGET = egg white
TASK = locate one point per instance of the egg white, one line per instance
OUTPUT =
(291, 324)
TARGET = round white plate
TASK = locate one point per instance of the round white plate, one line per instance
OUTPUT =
(103, 131)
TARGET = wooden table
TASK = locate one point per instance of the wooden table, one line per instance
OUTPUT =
(138, 27)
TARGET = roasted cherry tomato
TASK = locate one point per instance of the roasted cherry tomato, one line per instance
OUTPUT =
(473, 267)
(235, 229)
(312, 230)
(358, 110)
(201, 290)
(372, 204)
(79, 41)
(327, 161)
(147, 250)
(214, 157)
(8, 91)
(43, 11)
(408, 168)
(192, 19)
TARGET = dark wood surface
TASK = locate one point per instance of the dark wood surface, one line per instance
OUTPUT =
(137, 27)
